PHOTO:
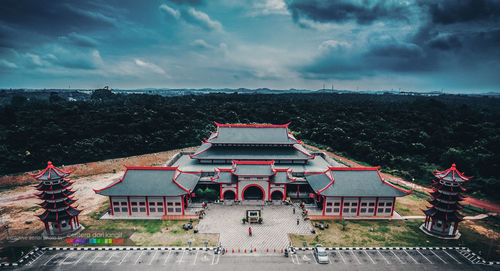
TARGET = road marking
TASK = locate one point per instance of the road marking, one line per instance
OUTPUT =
(124, 256)
(369, 256)
(397, 257)
(139, 257)
(424, 256)
(387, 261)
(314, 257)
(438, 257)
(50, 259)
(342, 257)
(218, 257)
(182, 256)
(195, 257)
(156, 252)
(96, 255)
(112, 254)
(83, 255)
(61, 262)
(38, 257)
(355, 256)
(410, 256)
(451, 256)
(166, 259)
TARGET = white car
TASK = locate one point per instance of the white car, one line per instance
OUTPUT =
(320, 254)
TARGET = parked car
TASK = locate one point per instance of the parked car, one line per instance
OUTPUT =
(320, 254)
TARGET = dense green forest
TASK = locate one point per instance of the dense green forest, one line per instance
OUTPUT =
(409, 136)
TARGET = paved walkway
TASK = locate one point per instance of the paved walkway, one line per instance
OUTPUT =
(278, 222)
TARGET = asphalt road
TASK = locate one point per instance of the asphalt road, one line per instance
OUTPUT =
(346, 259)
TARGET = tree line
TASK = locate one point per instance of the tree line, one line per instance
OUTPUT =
(409, 136)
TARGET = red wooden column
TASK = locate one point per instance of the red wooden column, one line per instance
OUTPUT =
(59, 226)
(147, 206)
(182, 204)
(324, 204)
(165, 205)
(393, 205)
(129, 209)
(341, 205)
(455, 228)
(376, 207)
(284, 193)
(77, 222)
(111, 205)
(432, 224)
(71, 223)
(47, 228)
(221, 194)
(359, 206)
(237, 190)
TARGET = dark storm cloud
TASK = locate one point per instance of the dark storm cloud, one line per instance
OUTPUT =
(187, 2)
(39, 21)
(452, 11)
(343, 10)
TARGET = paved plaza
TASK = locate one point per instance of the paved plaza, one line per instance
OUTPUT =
(278, 222)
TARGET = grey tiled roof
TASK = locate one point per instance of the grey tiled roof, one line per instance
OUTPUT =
(151, 182)
(251, 135)
(366, 183)
(250, 153)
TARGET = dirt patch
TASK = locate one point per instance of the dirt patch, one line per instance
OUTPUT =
(481, 229)
(94, 168)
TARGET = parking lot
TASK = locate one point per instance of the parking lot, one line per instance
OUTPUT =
(301, 259)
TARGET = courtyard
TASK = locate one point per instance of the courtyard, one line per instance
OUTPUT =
(278, 222)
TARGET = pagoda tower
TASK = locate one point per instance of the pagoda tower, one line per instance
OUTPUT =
(60, 218)
(442, 217)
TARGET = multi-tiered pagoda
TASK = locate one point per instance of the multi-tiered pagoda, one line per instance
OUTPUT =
(442, 217)
(60, 218)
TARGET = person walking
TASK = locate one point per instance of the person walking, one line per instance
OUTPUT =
(249, 231)
(293, 210)
(298, 220)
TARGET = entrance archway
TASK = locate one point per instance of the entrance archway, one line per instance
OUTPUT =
(229, 195)
(253, 192)
(277, 195)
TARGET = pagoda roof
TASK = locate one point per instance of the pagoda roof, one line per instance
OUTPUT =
(454, 197)
(451, 175)
(152, 181)
(353, 181)
(224, 175)
(49, 216)
(56, 205)
(283, 176)
(51, 187)
(443, 216)
(56, 196)
(50, 173)
(292, 152)
(253, 168)
(252, 134)
(446, 206)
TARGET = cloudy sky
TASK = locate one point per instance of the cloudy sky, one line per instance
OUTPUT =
(353, 44)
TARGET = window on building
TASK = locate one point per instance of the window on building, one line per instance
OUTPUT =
(160, 210)
(354, 204)
(170, 210)
(353, 210)
(371, 204)
(116, 203)
(363, 210)
(388, 204)
(178, 210)
(177, 204)
(124, 203)
(388, 210)
(370, 210)
(363, 204)
(346, 210)
(134, 203)
(347, 204)
(328, 210)
(142, 209)
(124, 209)
(170, 204)
(336, 210)
(380, 210)
(328, 204)
(134, 209)
(142, 203)
(116, 209)
(152, 210)
(380, 204)
(336, 204)
(151, 203)
(159, 203)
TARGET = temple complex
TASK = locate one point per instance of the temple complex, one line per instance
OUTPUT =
(257, 164)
